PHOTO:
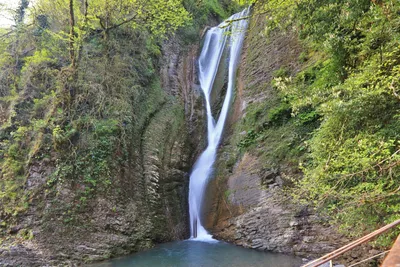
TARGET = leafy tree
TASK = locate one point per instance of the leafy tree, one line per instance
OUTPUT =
(87, 17)
(82, 79)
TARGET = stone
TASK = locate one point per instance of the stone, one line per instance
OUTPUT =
(83, 248)
(279, 181)
(15, 229)
(309, 239)
(268, 181)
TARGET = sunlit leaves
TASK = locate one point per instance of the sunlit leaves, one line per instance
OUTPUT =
(352, 80)
(158, 16)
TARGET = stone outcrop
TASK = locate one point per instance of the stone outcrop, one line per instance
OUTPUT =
(263, 218)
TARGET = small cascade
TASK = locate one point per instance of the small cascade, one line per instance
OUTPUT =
(227, 35)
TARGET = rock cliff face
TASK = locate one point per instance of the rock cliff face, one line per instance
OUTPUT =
(248, 203)
(147, 201)
(260, 216)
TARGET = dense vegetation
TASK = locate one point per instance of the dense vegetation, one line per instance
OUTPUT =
(66, 74)
(342, 108)
(79, 81)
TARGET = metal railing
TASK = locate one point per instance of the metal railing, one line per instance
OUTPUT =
(340, 251)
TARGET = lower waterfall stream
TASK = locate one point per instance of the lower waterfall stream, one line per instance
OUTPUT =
(201, 249)
(224, 36)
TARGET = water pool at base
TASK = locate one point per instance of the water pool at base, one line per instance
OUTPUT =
(198, 254)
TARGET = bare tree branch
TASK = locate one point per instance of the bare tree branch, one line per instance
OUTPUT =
(122, 23)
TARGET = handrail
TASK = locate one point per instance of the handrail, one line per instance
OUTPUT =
(350, 246)
(370, 258)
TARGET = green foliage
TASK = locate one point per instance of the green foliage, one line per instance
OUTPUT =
(39, 57)
(279, 114)
(214, 7)
(83, 122)
(307, 116)
(26, 234)
(249, 139)
(281, 72)
(280, 13)
(227, 194)
(93, 163)
(348, 86)
(201, 10)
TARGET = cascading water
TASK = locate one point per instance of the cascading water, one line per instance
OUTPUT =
(215, 43)
(218, 46)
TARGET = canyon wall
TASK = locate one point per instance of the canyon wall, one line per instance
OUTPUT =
(249, 201)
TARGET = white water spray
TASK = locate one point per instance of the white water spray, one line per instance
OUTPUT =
(215, 43)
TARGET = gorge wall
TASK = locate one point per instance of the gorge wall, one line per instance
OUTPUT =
(144, 202)
(94, 161)
(249, 201)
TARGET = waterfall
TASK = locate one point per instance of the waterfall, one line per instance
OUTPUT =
(225, 36)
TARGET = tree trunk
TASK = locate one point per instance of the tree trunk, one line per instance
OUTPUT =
(19, 23)
(72, 33)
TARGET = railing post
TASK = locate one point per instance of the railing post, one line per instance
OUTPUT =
(393, 258)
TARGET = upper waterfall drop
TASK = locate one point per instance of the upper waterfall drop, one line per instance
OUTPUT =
(216, 41)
